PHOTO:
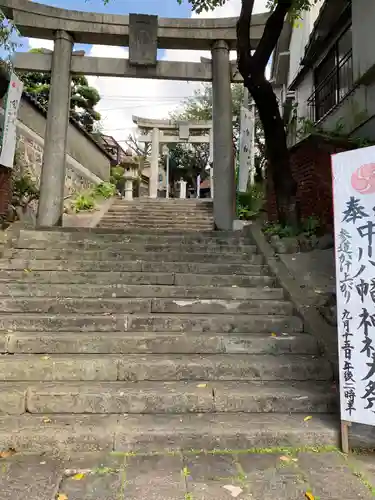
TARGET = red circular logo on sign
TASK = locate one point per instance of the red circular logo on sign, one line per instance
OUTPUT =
(363, 179)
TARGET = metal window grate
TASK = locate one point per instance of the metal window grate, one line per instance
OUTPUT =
(332, 89)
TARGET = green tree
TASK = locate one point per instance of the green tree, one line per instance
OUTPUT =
(83, 97)
(252, 66)
(195, 157)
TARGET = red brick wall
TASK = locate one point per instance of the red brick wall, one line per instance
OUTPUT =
(311, 167)
(5, 189)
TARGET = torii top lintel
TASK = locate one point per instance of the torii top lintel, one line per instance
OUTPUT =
(42, 21)
(149, 123)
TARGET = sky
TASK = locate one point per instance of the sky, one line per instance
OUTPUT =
(123, 97)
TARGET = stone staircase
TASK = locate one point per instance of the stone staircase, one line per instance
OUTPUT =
(135, 340)
(160, 215)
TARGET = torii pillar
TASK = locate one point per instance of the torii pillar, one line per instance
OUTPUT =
(52, 182)
(223, 166)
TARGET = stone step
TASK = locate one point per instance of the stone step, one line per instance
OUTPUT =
(157, 209)
(123, 306)
(23, 289)
(158, 218)
(139, 248)
(223, 323)
(164, 227)
(199, 239)
(177, 214)
(165, 202)
(158, 222)
(133, 266)
(72, 233)
(154, 367)
(165, 256)
(136, 278)
(66, 434)
(166, 397)
(156, 343)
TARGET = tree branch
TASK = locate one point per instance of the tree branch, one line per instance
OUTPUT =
(243, 38)
(271, 34)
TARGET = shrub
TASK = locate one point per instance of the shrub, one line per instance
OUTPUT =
(24, 191)
(309, 227)
(249, 204)
(105, 190)
(84, 201)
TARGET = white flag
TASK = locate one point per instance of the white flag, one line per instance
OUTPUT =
(246, 145)
(9, 128)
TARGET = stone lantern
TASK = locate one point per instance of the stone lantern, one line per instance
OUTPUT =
(131, 171)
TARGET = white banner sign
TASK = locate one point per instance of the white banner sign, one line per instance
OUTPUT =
(354, 213)
(9, 128)
(246, 145)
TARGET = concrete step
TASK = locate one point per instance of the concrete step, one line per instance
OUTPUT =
(135, 278)
(156, 343)
(65, 434)
(223, 323)
(166, 397)
(16, 289)
(122, 306)
(154, 367)
(165, 256)
(133, 266)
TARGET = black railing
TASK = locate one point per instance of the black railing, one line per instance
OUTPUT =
(332, 89)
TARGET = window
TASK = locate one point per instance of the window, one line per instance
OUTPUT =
(333, 78)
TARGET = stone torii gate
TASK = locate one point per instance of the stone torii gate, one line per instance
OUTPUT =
(168, 132)
(143, 35)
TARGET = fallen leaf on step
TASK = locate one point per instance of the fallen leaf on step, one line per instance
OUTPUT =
(273, 335)
(44, 357)
(62, 496)
(234, 286)
(309, 495)
(235, 491)
(201, 386)
(285, 459)
(78, 477)
(7, 453)
(27, 270)
(47, 420)
(306, 419)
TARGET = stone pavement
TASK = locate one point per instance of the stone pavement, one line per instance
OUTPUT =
(264, 474)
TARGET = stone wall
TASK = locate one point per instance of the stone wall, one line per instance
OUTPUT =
(80, 145)
(30, 157)
(87, 163)
(311, 167)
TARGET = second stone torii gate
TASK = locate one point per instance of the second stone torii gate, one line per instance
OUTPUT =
(159, 132)
(144, 35)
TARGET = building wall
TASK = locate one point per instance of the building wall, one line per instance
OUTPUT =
(356, 112)
(311, 168)
(363, 22)
(300, 37)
